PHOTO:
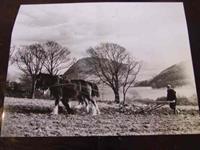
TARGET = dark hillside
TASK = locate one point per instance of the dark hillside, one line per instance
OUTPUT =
(83, 69)
(175, 75)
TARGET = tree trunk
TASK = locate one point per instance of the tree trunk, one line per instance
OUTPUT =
(33, 89)
(124, 98)
(117, 98)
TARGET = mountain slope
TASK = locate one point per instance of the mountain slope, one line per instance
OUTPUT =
(176, 75)
(80, 70)
(83, 69)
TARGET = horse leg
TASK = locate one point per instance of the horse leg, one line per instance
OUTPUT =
(66, 104)
(81, 102)
(55, 110)
(82, 99)
(84, 102)
(94, 105)
(79, 105)
(87, 106)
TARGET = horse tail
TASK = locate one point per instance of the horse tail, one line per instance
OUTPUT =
(95, 89)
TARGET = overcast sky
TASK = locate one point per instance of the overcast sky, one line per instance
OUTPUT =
(151, 32)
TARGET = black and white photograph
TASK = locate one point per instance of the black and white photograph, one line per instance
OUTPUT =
(100, 69)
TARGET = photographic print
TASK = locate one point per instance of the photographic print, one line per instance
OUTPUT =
(100, 69)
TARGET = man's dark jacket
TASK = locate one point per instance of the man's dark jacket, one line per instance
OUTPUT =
(171, 96)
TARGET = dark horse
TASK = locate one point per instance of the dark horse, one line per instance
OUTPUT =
(67, 90)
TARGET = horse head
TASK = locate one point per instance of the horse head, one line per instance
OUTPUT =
(43, 81)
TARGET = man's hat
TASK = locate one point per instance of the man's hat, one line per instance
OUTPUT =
(169, 86)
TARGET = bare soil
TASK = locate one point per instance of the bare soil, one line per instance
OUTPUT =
(32, 117)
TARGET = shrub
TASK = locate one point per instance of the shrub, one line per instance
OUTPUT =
(186, 100)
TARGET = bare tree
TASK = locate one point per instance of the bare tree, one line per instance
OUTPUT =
(114, 67)
(129, 76)
(26, 82)
(57, 57)
(30, 60)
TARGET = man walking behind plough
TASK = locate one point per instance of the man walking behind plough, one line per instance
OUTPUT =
(171, 96)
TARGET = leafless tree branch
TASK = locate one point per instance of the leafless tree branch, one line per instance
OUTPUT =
(30, 60)
(57, 57)
(114, 67)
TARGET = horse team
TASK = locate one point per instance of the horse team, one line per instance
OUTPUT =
(66, 90)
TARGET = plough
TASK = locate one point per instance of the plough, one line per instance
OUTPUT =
(151, 105)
